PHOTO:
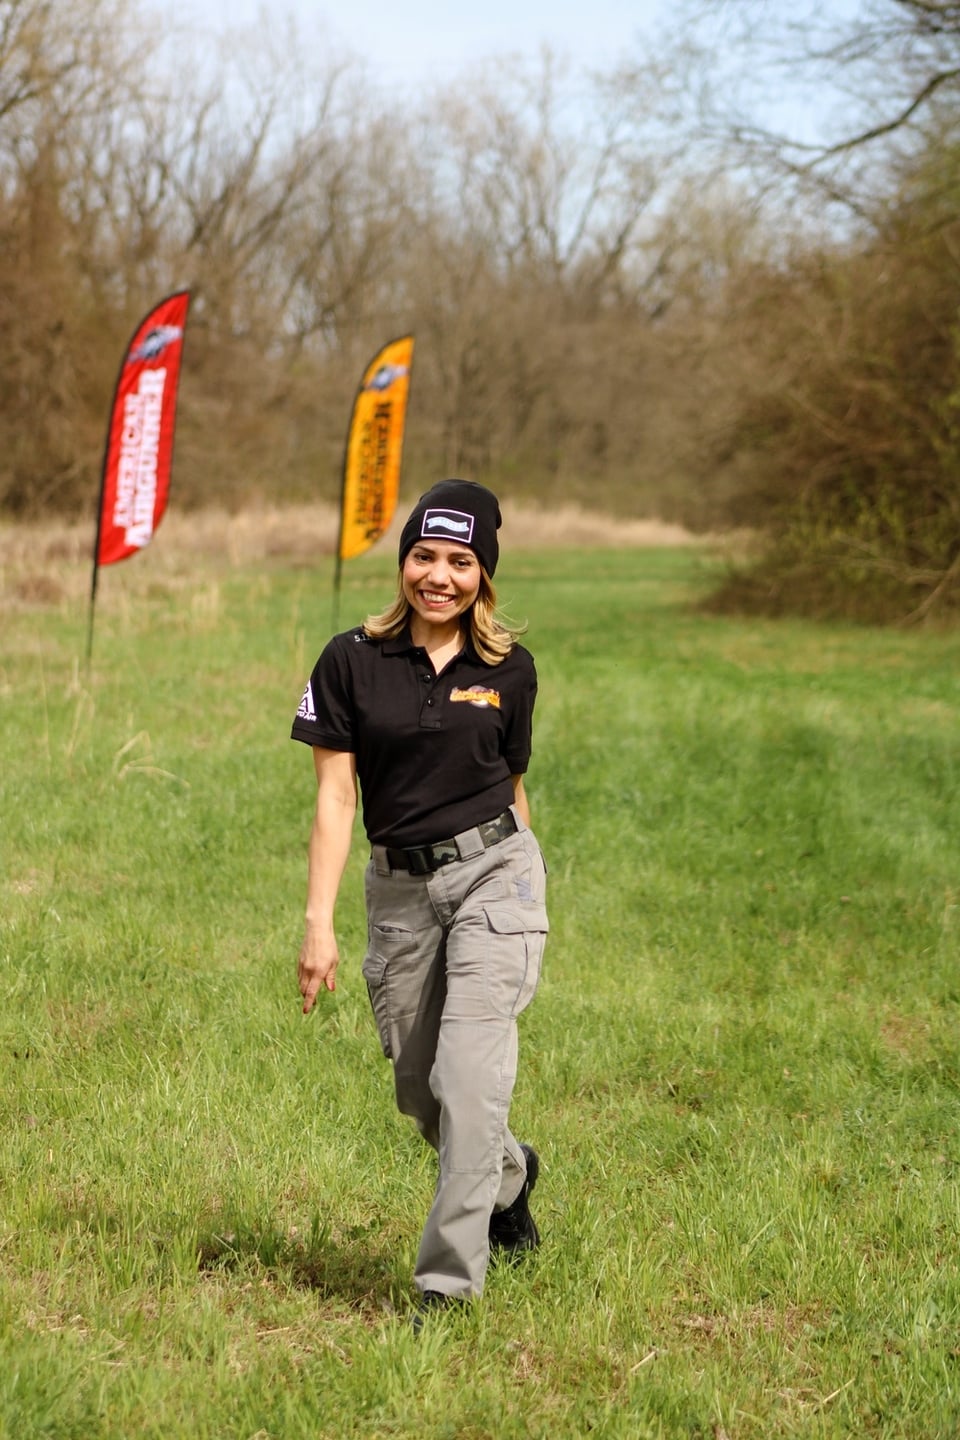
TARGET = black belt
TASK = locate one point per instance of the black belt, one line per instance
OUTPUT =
(424, 859)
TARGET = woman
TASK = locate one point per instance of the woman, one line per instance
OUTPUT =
(430, 706)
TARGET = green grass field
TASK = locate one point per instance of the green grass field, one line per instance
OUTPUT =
(741, 1070)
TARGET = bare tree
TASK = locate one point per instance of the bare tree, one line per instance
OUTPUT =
(531, 220)
(253, 177)
(60, 68)
(828, 101)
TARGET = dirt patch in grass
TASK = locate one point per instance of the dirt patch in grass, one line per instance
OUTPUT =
(34, 589)
(906, 1037)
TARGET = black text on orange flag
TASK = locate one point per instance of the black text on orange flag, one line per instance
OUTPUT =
(371, 469)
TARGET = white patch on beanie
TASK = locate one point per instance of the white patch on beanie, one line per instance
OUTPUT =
(447, 525)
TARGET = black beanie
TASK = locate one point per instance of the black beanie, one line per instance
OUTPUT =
(456, 510)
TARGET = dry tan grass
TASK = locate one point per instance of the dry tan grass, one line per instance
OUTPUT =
(49, 563)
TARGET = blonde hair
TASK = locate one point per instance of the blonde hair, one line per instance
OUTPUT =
(492, 637)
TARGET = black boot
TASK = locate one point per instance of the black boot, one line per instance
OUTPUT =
(512, 1231)
(430, 1302)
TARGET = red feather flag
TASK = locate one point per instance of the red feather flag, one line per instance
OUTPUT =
(136, 466)
(139, 450)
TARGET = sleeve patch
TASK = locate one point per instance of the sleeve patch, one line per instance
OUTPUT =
(307, 710)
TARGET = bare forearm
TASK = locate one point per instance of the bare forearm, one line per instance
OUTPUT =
(328, 852)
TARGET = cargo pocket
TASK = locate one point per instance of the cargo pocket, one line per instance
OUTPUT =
(384, 943)
(515, 940)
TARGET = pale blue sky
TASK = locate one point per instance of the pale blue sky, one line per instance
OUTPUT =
(423, 38)
(413, 43)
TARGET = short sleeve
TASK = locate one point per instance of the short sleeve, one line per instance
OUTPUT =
(327, 714)
(518, 731)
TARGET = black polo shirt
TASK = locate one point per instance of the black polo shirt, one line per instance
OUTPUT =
(434, 752)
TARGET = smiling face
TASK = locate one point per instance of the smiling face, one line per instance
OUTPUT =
(440, 582)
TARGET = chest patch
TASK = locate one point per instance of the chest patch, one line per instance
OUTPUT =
(477, 695)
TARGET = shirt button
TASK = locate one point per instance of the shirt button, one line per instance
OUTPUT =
(430, 701)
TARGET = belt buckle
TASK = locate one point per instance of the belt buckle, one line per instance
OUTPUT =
(419, 861)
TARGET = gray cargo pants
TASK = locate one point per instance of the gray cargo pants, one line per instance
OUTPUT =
(452, 958)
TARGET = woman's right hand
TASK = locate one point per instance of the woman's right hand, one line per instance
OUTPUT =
(317, 965)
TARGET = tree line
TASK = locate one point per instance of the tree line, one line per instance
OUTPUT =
(622, 295)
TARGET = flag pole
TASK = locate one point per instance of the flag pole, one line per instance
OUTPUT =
(341, 527)
(338, 562)
(103, 490)
(93, 601)
(337, 576)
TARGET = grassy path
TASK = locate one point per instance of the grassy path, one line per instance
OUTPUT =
(741, 1071)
